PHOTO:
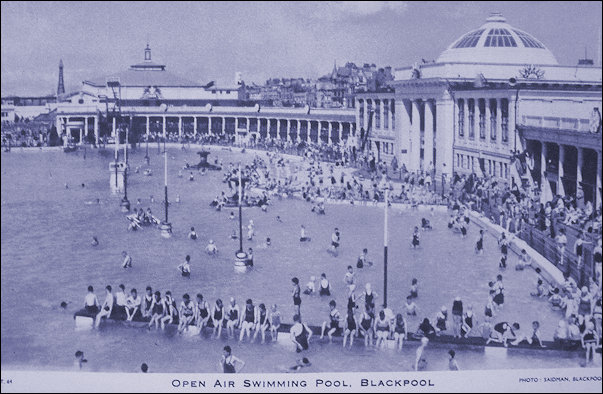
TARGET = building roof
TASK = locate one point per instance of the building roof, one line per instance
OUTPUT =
(497, 42)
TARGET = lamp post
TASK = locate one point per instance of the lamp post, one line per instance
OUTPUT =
(125, 203)
(240, 256)
(385, 237)
(165, 226)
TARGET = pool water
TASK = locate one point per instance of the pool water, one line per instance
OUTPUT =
(47, 258)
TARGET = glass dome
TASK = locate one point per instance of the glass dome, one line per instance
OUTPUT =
(497, 42)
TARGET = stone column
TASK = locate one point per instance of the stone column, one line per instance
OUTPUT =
(209, 126)
(466, 118)
(381, 115)
(278, 129)
(180, 127)
(579, 165)
(195, 125)
(358, 104)
(330, 135)
(318, 129)
(288, 130)
(488, 119)
(366, 114)
(114, 129)
(545, 188)
(309, 124)
(164, 127)
(84, 131)
(402, 135)
(96, 133)
(444, 113)
(148, 126)
(298, 130)
(415, 137)
(560, 172)
(428, 147)
(223, 125)
(341, 132)
(499, 120)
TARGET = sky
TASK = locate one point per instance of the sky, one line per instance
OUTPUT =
(210, 41)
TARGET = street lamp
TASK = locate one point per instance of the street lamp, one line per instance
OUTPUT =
(125, 203)
(385, 238)
(240, 255)
(165, 226)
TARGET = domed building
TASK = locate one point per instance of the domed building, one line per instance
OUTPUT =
(494, 92)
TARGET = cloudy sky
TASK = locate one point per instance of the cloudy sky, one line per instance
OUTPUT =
(211, 41)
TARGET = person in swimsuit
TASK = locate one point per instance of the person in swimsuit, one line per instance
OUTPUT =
(133, 305)
(303, 236)
(479, 244)
(468, 322)
(127, 263)
(228, 362)
(300, 334)
(94, 241)
(381, 329)
(414, 288)
(217, 318)
(499, 297)
(296, 297)
(411, 306)
(335, 240)
(457, 316)
(192, 235)
(366, 326)
(299, 364)
(589, 340)
(233, 317)
(426, 329)
(350, 277)
(91, 304)
(369, 297)
(187, 313)
(261, 322)
(325, 286)
(79, 360)
(415, 238)
(363, 260)
(420, 361)
(333, 324)
(185, 267)
(201, 312)
(169, 308)
(156, 310)
(452, 364)
(275, 322)
(147, 303)
(400, 331)
(311, 286)
(350, 328)
(441, 320)
(503, 332)
(248, 318)
(489, 309)
(107, 306)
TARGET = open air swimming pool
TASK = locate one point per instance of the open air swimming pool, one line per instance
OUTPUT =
(47, 258)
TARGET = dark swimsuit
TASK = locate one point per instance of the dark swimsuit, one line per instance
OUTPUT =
(366, 323)
(296, 297)
(302, 339)
(228, 367)
(249, 315)
(203, 312)
(400, 328)
(324, 291)
(351, 323)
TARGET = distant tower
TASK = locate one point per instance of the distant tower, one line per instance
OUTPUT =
(61, 87)
(147, 53)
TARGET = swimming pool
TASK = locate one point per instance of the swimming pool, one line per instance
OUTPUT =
(47, 258)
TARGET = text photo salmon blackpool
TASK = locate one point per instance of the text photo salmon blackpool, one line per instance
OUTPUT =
(301, 196)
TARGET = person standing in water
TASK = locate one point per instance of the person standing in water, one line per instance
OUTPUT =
(228, 362)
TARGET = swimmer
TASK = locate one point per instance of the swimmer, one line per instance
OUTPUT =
(186, 313)
(144, 368)
(127, 260)
(335, 241)
(261, 322)
(441, 320)
(452, 364)
(178, 199)
(94, 241)
(232, 215)
(170, 311)
(414, 288)
(350, 277)
(468, 322)
(278, 219)
(191, 177)
(185, 267)
(79, 360)
(325, 286)
(369, 297)
(248, 318)
(133, 305)
(300, 334)
(211, 248)
(334, 319)
(400, 331)
(233, 317)
(156, 310)
(303, 237)
(350, 328)
(366, 326)
(275, 322)
(479, 243)
(296, 296)
(420, 362)
(192, 234)
(381, 329)
(234, 234)
(503, 332)
(311, 286)
(217, 318)
(202, 315)
(415, 238)
(589, 341)
(411, 306)
(249, 261)
(106, 308)
(363, 259)
(228, 362)
(303, 363)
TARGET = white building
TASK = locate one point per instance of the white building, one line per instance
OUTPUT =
(464, 112)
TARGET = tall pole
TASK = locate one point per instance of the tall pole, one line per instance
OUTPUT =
(165, 181)
(385, 236)
(116, 153)
(240, 211)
